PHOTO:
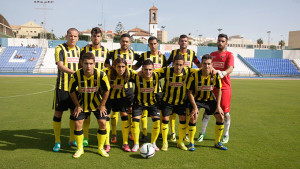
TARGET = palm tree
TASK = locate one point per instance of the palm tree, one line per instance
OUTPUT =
(281, 43)
(260, 42)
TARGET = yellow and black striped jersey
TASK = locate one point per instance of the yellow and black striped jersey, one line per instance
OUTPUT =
(174, 90)
(145, 89)
(89, 88)
(130, 56)
(70, 59)
(202, 87)
(189, 57)
(118, 85)
(159, 61)
(100, 55)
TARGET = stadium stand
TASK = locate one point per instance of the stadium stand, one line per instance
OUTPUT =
(48, 63)
(241, 69)
(25, 63)
(273, 66)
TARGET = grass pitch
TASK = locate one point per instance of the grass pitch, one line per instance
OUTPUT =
(264, 131)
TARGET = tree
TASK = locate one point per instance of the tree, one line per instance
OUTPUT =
(272, 47)
(174, 40)
(212, 44)
(260, 42)
(281, 43)
(119, 28)
(117, 38)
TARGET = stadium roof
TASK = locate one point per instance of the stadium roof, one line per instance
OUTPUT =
(5, 28)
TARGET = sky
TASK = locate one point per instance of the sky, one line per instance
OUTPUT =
(251, 18)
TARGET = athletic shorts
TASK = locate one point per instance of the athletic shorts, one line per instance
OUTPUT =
(137, 110)
(84, 115)
(116, 105)
(62, 101)
(129, 96)
(158, 99)
(225, 99)
(167, 108)
(209, 106)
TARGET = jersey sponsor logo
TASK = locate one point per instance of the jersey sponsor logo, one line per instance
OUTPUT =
(206, 88)
(129, 61)
(187, 63)
(146, 90)
(89, 89)
(176, 84)
(218, 64)
(99, 59)
(117, 86)
(72, 59)
(157, 65)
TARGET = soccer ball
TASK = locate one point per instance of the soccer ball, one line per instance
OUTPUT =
(147, 151)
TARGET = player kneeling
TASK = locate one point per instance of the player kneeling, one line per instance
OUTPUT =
(200, 93)
(90, 82)
(145, 99)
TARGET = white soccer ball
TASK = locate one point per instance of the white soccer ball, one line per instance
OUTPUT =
(147, 151)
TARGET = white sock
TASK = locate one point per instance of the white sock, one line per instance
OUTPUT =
(204, 123)
(226, 124)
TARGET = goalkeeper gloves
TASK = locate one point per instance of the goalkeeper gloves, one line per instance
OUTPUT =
(222, 73)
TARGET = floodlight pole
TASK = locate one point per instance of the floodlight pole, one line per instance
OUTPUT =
(44, 12)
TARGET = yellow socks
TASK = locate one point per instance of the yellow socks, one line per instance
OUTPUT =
(101, 135)
(165, 130)
(78, 134)
(172, 122)
(144, 121)
(192, 131)
(56, 128)
(181, 131)
(114, 122)
(107, 131)
(125, 129)
(218, 131)
(135, 129)
(155, 129)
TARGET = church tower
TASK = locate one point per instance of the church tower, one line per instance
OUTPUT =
(153, 21)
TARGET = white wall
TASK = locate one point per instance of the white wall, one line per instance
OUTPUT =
(249, 53)
(25, 42)
(291, 54)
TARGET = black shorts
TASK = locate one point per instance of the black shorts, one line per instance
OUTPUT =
(116, 105)
(137, 110)
(209, 106)
(167, 108)
(62, 101)
(84, 115)
(158, 99)
(129, 96)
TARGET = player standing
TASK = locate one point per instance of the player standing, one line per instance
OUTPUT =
(174, 97)
(146, 87)
(67, 60)
(200, 93)
(90, 83)
(223, 61)
(129, 55)
(100, 53)
(119, 75)
(159, 61)
(190, 57)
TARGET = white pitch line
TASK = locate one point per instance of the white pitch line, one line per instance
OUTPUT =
(29, 93)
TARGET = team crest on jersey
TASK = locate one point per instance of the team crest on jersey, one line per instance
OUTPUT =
(188, 57)
(223, 57)
(211, 80)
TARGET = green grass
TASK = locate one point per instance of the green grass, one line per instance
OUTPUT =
(264, 131)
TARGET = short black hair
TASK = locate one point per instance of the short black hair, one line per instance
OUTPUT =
(125, 35)
(96, 30)
(182, 36)
(152, 38)
(223, 36)
(205, 57)
(178, 56)
(88, 55)
(148, 62)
